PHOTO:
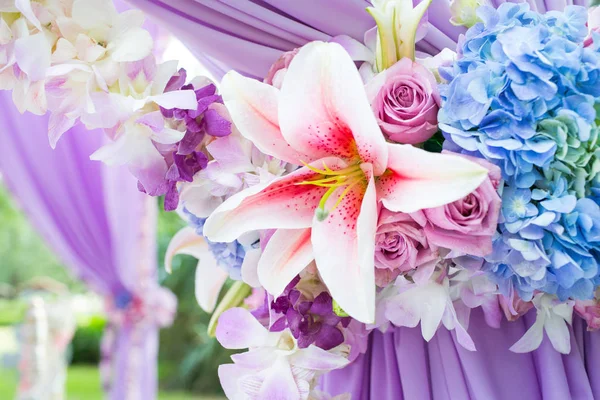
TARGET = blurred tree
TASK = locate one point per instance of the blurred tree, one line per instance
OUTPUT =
(23, 253)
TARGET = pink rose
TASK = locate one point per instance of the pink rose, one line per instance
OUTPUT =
(468, 224)
(400, 245)
(406, 101)
(278, 70)
(590, 311)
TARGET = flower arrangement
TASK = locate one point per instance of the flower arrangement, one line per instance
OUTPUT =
(407, 191)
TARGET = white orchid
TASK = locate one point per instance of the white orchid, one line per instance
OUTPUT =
(274, 367)
(552, 317)
(426, 300)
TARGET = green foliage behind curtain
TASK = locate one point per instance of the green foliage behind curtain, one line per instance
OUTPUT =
(189, 358)
(23, 254)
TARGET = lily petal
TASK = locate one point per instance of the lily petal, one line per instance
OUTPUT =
(344, 244)
(417, 179)
(238, 329)
(281, 204)
(253, 107)
(288, 252)
(323, 108)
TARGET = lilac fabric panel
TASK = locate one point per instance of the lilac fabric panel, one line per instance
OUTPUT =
(91, 215)
(249, 35)
(401, 365)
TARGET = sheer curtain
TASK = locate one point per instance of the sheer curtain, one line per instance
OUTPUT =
(103, 229)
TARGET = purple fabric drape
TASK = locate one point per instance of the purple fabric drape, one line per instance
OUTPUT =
(96, 221)
(400, 365)
(249, 35)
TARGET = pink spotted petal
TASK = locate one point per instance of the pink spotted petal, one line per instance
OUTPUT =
(344, 246)
(253, 107)
(238, 329)
(281, 204)
(323, 108)
(288, 252)
(417, 179)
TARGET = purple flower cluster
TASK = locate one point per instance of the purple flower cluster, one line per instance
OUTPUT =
(185, 158)
(310, 321)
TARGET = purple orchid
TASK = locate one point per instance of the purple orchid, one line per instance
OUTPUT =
(310, 321)
(209, 118)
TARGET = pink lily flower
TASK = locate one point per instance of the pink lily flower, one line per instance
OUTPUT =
(327, 210)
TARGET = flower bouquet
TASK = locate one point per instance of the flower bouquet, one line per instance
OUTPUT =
(360, 185)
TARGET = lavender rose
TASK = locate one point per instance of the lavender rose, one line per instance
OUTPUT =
(400, 245)
(278, 70)
(406, 101)
(468, 224)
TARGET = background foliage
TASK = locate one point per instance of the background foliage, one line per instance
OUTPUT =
(188, 358)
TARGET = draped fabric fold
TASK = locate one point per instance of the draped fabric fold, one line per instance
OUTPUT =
(401, 365)
(249, 35)
(99, 224)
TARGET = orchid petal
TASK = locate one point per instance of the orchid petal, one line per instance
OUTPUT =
(253, 107)
(184, 99)
(532, 339)
(58, 124)
(279, 383)
(209, 277)
(324, 111)
(238, 329)
(24, 6)
(284, 203)
(257, 359)
(288, 252)
(418, 179)
(188, 242)
(558, 332)
(316, 359)
(92, 14)
(230, 376)
(209, 281)
(250, 267)
(344, 247)
(132, 45)
(33, 55)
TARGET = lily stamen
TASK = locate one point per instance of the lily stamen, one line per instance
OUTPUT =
(345, 178)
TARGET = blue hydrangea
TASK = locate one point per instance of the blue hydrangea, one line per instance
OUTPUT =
(523, 94)
(229, 256)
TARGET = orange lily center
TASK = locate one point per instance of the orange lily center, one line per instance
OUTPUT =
(346, 178)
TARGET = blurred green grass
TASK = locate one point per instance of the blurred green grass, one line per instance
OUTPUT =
(83, 383)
